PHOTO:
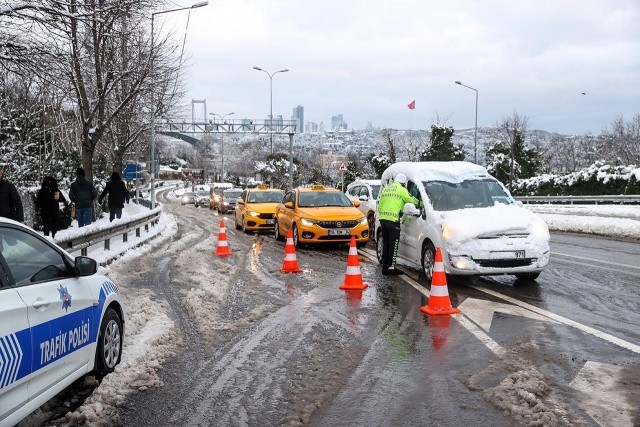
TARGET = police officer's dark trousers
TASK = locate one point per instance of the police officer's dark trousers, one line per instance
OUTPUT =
(390, 240)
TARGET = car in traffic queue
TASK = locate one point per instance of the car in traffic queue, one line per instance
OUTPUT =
(473, 219)
(217, 188)
(255, 207)
(366, 192)
(319, 214)
(59, 321)
(229, 199)
(188, 198)
(202, 198)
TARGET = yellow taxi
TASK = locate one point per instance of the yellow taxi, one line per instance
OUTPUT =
(255, 207)
(319, 214)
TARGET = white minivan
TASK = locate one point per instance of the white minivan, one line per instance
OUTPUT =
(366, 192)
(479, 228)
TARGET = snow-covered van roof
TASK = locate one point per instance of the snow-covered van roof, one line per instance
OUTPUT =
(435, 171)
(365, 181)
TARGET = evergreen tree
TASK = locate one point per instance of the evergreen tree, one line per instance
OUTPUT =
(441, 148)
(379, 163)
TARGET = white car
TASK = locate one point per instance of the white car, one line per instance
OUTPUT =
(366, 192)
(472, 218)
(59, 320)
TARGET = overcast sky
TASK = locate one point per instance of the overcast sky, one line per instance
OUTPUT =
(368, 59)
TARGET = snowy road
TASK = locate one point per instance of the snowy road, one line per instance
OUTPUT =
(239, 343)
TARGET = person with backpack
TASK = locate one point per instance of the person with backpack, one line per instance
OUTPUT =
(118, 193)
(10, 201)
(82, 194)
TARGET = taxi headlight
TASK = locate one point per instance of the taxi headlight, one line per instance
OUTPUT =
(308, 222)
(362, 220)
(252, 213)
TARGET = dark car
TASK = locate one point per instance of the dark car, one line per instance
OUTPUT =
(228, 200)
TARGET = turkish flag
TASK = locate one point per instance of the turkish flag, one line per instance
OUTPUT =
(412, 105)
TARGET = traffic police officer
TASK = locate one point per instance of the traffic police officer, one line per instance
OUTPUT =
(392, 200)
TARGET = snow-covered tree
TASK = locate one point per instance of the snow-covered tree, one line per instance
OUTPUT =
(276, 170)
(441, 147)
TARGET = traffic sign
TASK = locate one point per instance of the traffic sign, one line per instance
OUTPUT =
(342, 167)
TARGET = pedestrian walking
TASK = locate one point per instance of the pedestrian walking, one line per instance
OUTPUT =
(82, 194)
(10, 201)
(118, 193)
(392, 199)
(48, 201)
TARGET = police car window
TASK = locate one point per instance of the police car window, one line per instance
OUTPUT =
(31, 260)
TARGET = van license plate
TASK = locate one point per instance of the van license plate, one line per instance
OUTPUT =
(507, 255)
(338, 232)
(270, 221)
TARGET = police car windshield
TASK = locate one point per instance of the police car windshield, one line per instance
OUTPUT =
(314, 199)
(448, 196)
(375, 190)
(265, 197)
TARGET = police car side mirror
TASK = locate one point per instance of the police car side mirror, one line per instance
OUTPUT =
(86, 266)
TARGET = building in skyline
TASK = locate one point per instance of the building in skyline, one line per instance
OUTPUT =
(311, 127)
(298, 115)
(337, 122)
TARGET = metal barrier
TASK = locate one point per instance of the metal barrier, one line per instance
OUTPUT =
(81, 243)
(622, 199)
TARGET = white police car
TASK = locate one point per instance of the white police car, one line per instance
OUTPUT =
(59, 320)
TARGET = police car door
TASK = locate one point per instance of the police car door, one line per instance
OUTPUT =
(15, 338)
(59, 309)
(410, 229)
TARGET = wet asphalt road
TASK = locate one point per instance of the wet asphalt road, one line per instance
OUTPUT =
(295, 350)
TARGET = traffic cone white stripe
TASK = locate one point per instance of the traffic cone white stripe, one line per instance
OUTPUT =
(353, 251)
(438, 266)
(439, 291)
(290, 242)
(353, 270)
(290, 257)
(222, 243)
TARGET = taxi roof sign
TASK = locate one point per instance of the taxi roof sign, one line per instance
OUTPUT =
(317, 187)
(263, 187)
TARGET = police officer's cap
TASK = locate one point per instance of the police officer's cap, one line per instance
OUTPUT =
(401, 178)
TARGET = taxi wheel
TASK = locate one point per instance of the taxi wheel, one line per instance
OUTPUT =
(276, 227)
(109, 349)
(244, 225)
(235, 219)
(296, 240)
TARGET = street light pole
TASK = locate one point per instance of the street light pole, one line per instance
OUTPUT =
(271, 100)
(221, 144)
(475, 135)
(152, 149)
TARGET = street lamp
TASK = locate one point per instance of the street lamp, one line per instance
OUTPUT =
(271, 100)
(152, 154)
(221, 144)
(475, 135)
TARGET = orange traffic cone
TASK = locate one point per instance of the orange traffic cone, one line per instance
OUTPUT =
(223, 247)
(353, 278)
(290, 264)
(439, 302)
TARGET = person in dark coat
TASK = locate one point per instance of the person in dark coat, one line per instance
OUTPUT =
(82, 194)
(48, 201)
(118, 193)
(10, 201)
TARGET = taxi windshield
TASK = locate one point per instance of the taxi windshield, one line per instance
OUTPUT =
(265, 197)
(314, 199)
(447, 196)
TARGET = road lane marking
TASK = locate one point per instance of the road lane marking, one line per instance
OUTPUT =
(616, 264)
(560, 319)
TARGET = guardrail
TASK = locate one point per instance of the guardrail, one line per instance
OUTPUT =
(81, 243)
(622, 199)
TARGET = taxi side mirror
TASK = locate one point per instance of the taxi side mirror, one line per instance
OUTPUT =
(356, 203)
(240, 202)
(288, 205)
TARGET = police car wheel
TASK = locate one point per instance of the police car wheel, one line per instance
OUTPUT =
(109, 348)
(379, 244)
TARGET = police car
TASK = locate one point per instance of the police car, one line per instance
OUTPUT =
(59, 320)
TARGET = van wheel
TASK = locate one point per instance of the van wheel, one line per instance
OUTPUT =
(379, 244)
(109, 347)
(428, 260)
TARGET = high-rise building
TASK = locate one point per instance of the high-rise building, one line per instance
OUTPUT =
(337, 122)
(298, 114)
(311, 127)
